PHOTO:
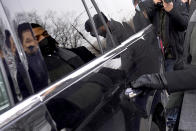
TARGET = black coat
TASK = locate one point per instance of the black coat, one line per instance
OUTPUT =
(175, 24)
(139, 21)
(61, 63)
(115, 27)
(185, 79)
(143, 57)
(83, 53)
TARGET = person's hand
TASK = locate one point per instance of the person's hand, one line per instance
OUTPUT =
(151, 81)
(156, 1)
(168, 6)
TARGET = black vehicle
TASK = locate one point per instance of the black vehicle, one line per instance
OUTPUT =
(89, 98)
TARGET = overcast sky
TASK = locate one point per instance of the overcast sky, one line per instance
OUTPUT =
(116, 9)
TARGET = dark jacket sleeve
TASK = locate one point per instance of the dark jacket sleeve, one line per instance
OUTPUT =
(83, 53)
(179, 15)
(181, 80)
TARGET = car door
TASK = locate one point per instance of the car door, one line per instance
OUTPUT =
(87, 98)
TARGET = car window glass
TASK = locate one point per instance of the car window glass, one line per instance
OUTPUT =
(66, 25)
(40, 31)
(51, 39)
(13, 61)
(123, 19)
(63, 20)
(116, 14)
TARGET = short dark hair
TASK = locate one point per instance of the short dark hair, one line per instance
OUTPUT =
(98, 21)
(7, 38)
(22, 28)
(88, 26)
(34, 25)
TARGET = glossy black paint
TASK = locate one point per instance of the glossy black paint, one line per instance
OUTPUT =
(94, 111)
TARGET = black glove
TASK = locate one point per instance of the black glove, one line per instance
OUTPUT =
(152, 81)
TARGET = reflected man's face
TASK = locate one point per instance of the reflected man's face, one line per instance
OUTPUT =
(47, 44)
(40, 33)
(30, 45)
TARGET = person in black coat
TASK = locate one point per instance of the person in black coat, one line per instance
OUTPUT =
(59, 61)
(117, 31)
(36, 66)
(170, 81)
(170, 21)
(175, 81)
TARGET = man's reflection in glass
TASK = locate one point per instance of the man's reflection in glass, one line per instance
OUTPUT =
(59, 61)
(140, 19)
(116, 29)
(37, 68)
(11, 60)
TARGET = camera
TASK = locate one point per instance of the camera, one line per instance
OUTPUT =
(160, 4)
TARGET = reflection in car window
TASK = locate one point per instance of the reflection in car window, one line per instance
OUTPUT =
(117, 16)
(51, 43)
(57, 44)
(63, 30)
(64, 23)
(122, 19)
(116, 29)
(59, 61)
(15, 69)
(36, 66)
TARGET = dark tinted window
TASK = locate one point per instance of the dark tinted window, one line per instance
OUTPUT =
(47, 42)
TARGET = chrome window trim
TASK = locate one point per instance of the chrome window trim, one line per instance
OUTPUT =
(53, 90)
(18, 110)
